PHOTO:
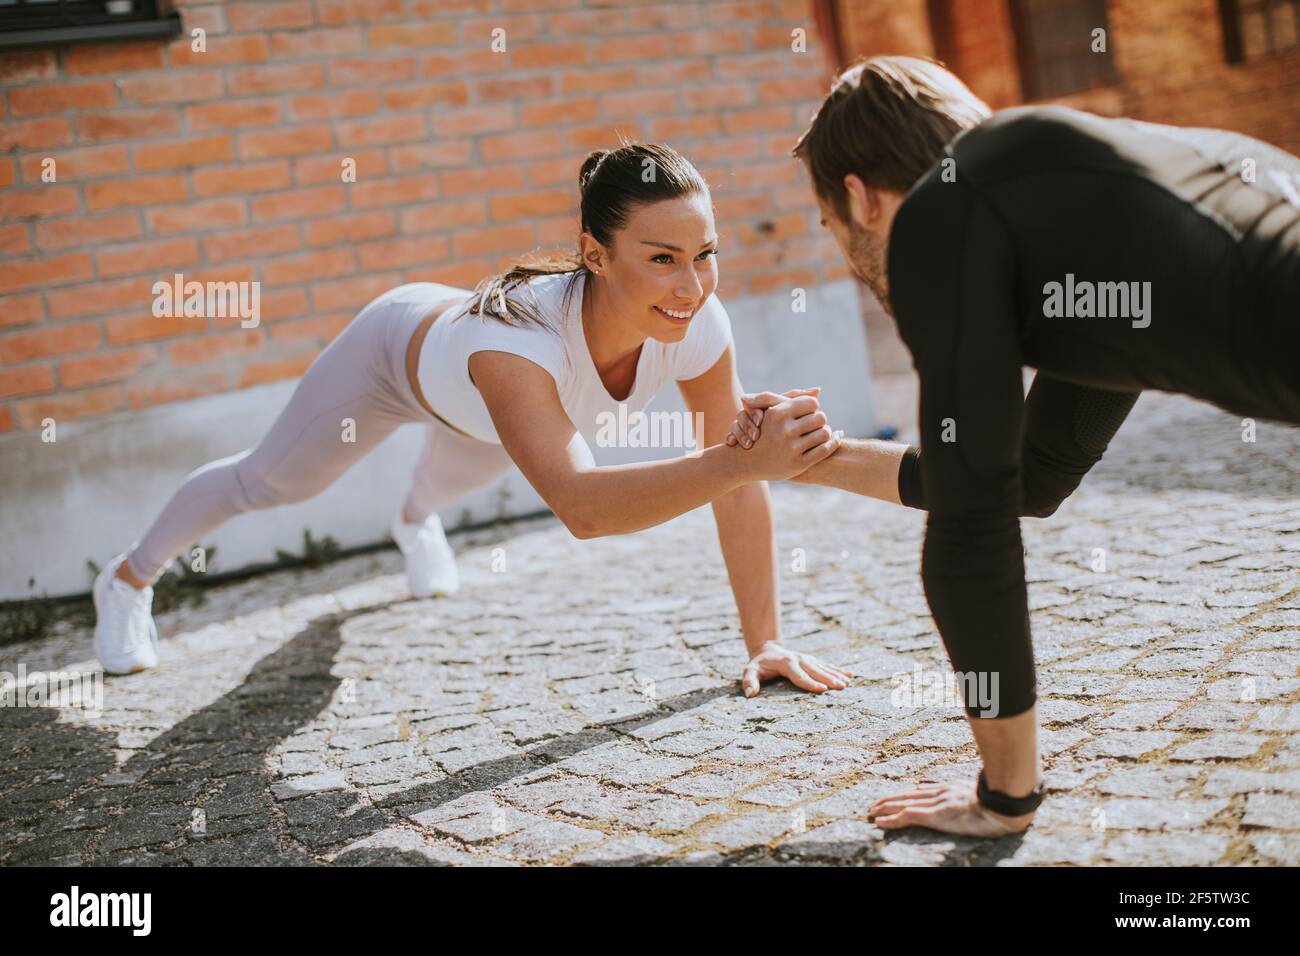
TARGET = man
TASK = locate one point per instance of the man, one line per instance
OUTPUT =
(1112, 256)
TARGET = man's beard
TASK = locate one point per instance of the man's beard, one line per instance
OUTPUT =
(869, 257)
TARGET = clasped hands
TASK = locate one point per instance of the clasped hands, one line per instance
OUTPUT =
(798, 436)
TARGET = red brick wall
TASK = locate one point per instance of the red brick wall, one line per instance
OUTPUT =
(225, 165)
(1169, 56)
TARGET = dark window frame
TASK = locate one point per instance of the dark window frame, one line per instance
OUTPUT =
(1230, 17)
(33, 24)
(1028, 59)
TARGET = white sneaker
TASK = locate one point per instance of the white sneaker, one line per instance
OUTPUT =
(430, 562)
(126, 638)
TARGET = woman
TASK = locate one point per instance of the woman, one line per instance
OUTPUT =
(525, 379)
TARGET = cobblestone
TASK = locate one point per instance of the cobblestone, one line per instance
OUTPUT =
(584, 707)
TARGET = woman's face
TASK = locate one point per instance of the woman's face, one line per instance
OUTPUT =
(664, 260)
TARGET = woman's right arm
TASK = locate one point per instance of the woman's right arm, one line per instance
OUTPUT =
(616, 499)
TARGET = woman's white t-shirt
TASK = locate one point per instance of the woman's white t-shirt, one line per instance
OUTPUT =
(561, 350)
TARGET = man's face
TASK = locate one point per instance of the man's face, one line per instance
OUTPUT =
(865, 251)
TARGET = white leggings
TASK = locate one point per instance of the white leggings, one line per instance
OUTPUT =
(360, 376)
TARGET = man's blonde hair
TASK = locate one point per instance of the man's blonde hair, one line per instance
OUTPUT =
(887, 119)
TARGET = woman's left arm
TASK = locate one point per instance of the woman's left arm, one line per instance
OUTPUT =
(746, 533)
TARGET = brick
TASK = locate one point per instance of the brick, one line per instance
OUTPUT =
(357, 227)
(65, 338)
(22, 66)
(52, 270)
(126, 330)
(395, 253)
(368, 165)
(22, 309)
(547, 56)
(244, 178)
(534, 203)
(581, 109)
(160, 255)
(97, 298)
(684, 127)
(393, 191)
(476, 242)
(266, 240)
(38, 202)
(59, 97)
(290, 141)
(330, 263)
(317, 328)
(484, 179)
(355, 11)
(371, 72)
(55, 234)
(337, 105)
(245, 17)
(26, 380)
(92, 58)
(763, 118)
(201, 151)
(175, 87)
(280, 304)
(298, 203)
(221, 51)
(128, 124)
(85, 163)
(405, 159)
(426, 96)
(73, 405)
(205, 117)
(388, 36)
(317, 42)
(252, 80)
(107, 367)
(197, 216)
(14, 240)
(515, 89)
(468, 122)
(353, 292)
(137, 191)
(597, 81)
(35, 134)
(381, 132)
(535, 143)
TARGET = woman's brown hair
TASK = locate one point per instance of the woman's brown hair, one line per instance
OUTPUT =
(887, 120)
(610, 183)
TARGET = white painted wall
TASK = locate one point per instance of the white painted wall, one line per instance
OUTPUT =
(91, 492)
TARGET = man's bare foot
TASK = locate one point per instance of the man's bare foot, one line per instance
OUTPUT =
(946, 807)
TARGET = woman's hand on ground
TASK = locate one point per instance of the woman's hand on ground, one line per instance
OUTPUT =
(946, 807)
(803, 670)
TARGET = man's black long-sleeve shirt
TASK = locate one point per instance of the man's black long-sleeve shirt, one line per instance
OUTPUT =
(1002, 256)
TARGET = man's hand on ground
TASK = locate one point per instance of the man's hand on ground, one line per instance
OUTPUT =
(803, 670)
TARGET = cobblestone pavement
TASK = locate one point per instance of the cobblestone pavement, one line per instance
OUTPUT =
(578, 701)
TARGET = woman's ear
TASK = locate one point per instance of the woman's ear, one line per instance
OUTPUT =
(592, 252)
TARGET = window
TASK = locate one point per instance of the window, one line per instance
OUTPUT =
(1054, 40)
(1255, 28)
(42, 22)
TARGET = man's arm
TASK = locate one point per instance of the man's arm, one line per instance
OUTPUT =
(1067, 430)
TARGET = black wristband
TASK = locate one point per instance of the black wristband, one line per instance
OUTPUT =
(1004, 803)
